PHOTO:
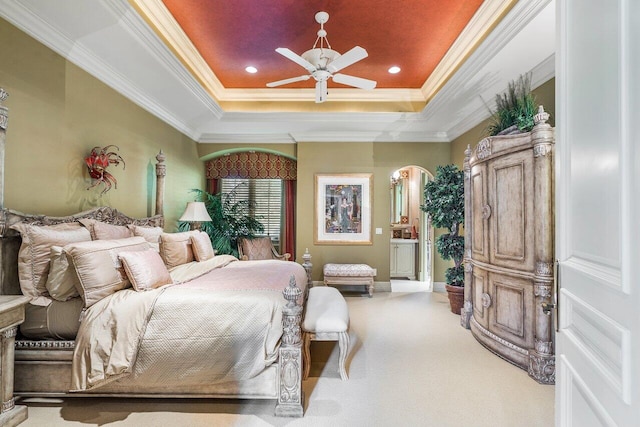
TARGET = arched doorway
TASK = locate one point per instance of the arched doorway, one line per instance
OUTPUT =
(411, 245)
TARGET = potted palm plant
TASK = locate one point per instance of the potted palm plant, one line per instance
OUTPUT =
(444, 202)
(230, 218)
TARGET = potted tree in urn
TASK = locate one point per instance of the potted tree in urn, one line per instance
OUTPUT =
(444, 202)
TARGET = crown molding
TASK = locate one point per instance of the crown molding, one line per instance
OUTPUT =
(515, 21)
(246, 138)
(540, 74)
(75, 51)
(364, 136)
(476, 30)
(167, 28)
(337, 95)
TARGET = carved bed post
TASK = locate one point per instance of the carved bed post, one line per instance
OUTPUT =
(290, 395)
(467, 309)
(161, 171)
(4, 119)
(307, 267)
(541, 358)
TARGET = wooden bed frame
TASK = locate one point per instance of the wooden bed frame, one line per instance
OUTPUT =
(43, 368)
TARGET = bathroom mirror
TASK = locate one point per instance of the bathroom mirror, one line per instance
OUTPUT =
(399, 197)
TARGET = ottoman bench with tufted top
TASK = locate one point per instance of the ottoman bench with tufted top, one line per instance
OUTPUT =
(349, 274)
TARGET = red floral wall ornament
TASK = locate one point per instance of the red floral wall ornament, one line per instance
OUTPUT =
(97, 163)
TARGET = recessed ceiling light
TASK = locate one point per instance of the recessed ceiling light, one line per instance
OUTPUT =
(251, 69)
(394, 70)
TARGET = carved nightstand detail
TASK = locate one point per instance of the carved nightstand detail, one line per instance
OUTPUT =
(11, 315)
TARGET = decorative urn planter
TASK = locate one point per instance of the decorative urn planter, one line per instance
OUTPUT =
(456, 297)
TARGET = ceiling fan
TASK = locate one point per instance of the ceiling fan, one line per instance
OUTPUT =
(323, 63)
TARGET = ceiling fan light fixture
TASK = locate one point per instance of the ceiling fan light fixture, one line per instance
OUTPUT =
(251, 69)
(323, 63)
(394, 70)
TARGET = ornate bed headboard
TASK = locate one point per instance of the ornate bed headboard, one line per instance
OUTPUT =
(10, 239)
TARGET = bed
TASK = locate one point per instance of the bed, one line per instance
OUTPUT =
(217, 327)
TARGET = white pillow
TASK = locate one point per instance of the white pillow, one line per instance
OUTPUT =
(145, 269)
(62, 282)
(202, 247)
(150, 234)
(100, 272)
(175, 248)
(103, 231)
(35, 254)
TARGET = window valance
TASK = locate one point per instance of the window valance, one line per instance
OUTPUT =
(251, 165)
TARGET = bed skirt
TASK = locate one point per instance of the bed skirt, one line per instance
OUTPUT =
(43, 368)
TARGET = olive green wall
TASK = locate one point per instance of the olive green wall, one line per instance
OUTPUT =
(545, 95)
(57, 113)
(378, 158)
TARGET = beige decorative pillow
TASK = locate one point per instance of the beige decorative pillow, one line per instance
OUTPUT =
(202, 247)
(98, 267)
(102, 231)
(145, 269)
(175, 248)
(62, 282)
(150, 234)
(35, 254)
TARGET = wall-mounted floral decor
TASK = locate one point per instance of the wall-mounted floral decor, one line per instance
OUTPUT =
(97, 163)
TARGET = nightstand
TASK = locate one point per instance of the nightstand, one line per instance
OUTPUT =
(11, 315)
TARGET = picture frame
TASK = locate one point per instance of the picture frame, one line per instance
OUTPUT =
(343, 209)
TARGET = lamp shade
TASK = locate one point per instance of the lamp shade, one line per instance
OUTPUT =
(195, 212)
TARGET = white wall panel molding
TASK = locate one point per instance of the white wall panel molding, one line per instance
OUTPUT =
(606, 343)
(576, 393)
(589, 266)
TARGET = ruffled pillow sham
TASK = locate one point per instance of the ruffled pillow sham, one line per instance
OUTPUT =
(34, 255)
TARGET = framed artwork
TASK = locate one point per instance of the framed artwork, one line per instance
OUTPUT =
(343, 209)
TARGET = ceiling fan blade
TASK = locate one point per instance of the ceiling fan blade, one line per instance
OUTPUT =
(358, 82)
(348, 58)
(288, 53)
(287, 81)
(321, 91)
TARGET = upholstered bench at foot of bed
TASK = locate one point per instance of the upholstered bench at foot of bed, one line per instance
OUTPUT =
(349, 274)
(326, 319)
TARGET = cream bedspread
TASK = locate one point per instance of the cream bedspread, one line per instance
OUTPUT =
(221, 323)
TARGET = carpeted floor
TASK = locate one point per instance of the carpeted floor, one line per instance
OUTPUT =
(410, 364)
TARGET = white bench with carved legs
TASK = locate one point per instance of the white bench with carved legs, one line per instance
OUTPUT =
(326, 319)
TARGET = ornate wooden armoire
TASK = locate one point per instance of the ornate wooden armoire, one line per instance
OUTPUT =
(509, 233)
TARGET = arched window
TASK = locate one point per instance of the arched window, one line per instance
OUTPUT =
(268, 180)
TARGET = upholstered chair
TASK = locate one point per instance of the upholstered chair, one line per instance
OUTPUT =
(259, 248)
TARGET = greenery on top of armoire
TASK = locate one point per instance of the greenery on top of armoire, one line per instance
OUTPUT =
(515, 108)
(444, 202)
(230, 218)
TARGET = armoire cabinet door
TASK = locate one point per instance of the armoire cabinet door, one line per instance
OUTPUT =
(511, 221)
(479, 296)
(479, 212)
(511, 314)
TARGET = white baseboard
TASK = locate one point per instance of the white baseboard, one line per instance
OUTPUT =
(382, 286)
(439, 287)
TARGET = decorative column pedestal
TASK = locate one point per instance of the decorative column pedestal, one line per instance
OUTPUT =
(11, 315)
(290, 395)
